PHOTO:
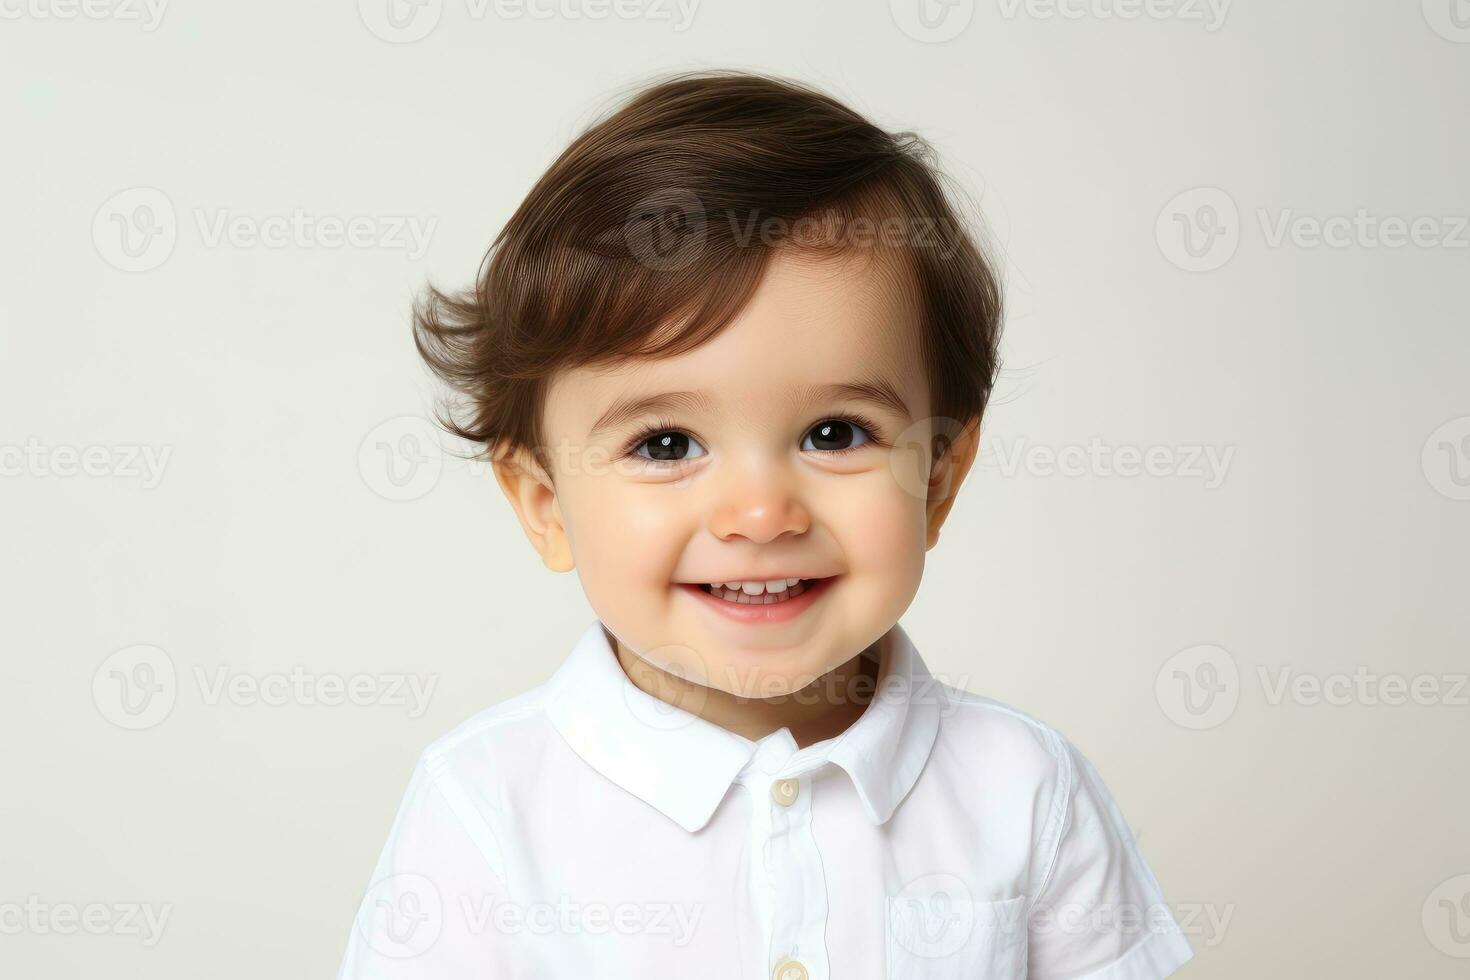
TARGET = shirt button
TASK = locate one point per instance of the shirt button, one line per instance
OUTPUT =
(784, 791)
(789, 970)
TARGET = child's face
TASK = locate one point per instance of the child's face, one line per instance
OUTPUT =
(738, 481)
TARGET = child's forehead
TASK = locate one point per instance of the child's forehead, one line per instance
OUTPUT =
(813, 322)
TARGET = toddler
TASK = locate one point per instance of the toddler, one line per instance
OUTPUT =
(729, 359)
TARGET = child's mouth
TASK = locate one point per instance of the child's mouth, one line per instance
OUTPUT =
(758, 593)
(761, 601)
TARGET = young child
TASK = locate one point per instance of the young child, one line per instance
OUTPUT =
(730, 358)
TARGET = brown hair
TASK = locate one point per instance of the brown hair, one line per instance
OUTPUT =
(650, 232)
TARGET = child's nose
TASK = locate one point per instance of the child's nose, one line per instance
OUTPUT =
(759, 511)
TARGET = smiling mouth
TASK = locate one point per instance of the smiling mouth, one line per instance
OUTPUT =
(766, 593)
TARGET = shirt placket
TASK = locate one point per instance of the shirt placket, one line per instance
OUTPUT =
(794, 890)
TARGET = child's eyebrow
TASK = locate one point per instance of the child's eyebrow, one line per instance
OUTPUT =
(633, 406)
(877, 390)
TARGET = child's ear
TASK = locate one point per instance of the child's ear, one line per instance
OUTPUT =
(532, 494)
(954, 451)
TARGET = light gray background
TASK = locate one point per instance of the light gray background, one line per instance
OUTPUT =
(302, 520)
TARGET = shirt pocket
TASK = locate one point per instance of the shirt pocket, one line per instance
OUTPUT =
(936, 931)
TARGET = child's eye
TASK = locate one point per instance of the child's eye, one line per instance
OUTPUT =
(668, 447)
(835, 436)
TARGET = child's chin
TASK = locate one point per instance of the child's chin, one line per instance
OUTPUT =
(766, 674)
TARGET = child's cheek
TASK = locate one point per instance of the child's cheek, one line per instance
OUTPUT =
(628, 538)
(878, 523)
(883, 540)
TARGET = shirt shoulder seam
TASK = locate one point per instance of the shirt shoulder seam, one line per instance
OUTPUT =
(471, 820)
(487, 720)
(1054, 828)
(1055, 743)
(1061, 807)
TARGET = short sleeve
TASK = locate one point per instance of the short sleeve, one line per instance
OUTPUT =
(1100, 914)
(429, 911)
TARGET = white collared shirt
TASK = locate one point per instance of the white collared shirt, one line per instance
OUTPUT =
(587, 829)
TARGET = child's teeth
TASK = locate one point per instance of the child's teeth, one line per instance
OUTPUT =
(758, 593)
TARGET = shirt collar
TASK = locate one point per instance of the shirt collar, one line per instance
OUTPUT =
(683, 766)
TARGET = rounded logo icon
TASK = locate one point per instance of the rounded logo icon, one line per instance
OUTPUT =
(1450, 19)
(401, 459)
(135, 230)
(911, 459)
(402, 916)
(1199, 687)
(1199, 229)
(1446, 916)
(932, 917)
(1446, 459)
(666, 230)
(652, 709)
(400, 21)
(932, 21)
(136, 687)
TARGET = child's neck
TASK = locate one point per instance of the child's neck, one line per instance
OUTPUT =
(823, 709)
